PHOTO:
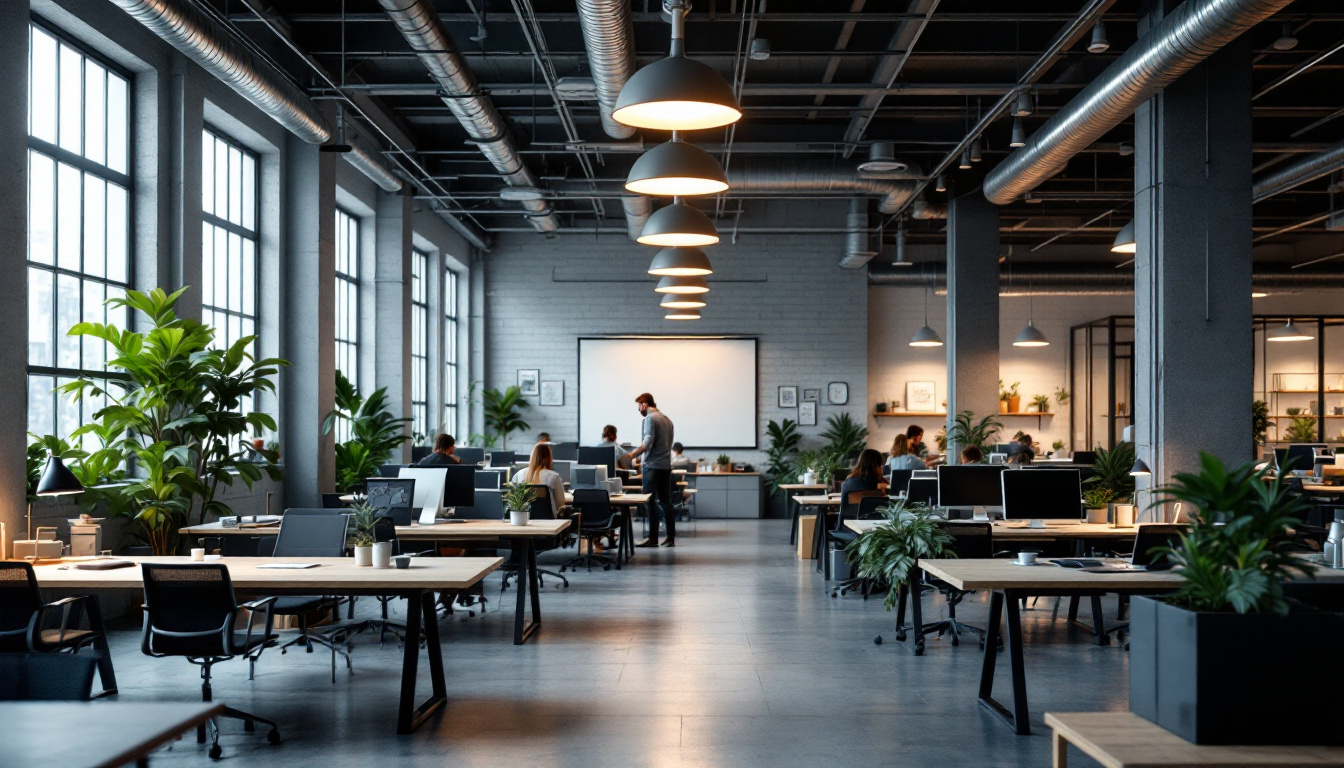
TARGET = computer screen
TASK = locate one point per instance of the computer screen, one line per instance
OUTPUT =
(390, 470)
(502, 458)
(1302, 456)
(969, 485)
(601, 455)
(565, 451)
(565, 469)
(393, 497)
(489, 506)
(899, 481)
(922, 491)
(1084, 457)
(488, 480)
(1056, 494)
(429, 482)
(469, 455)
(459, 487)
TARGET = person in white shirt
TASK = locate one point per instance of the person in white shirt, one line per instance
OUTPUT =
(539, 471)
(679, 458)
(609, 439)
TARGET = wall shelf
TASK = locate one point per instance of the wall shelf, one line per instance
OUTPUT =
(909, 414)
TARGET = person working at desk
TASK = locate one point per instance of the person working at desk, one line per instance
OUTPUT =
(609, 439)
(972, 454)
(540, 471)
(442, 455)
(867, 476)
(657, 463)
(1022, 446)
(915, 434)
(544, 437)
(902, 457)
(679, 457)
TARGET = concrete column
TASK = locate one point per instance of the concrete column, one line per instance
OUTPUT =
(392, 306)
(13, 232)
(474, 362)
(972, 307)
(1192, 285)
(309, 336)
(187, 121)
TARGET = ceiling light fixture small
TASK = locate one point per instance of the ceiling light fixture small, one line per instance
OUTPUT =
(941, 184)
(965, 163)
(1099, 42)
(1125, 242)
(926, 336)
(1289, 332)
(1019, 134)
(682, 285)
(679, 225)
(760, 49)
(1031, 336)
(882, 159)
(675, 301)
(901, 259)
(1258, 294)
(683, 314)
(1140, 468)
(676, 169)
(975, 151)
(680, 262)
(1023, 104)
(1287, 41)
(1126, 148)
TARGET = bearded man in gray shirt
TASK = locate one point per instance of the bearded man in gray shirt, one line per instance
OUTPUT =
(656, 469)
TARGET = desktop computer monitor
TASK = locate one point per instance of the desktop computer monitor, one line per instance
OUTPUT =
(502, 458)
(925, 474)
(489, 506)
(429, 482)
(974, 486)
(601, 455)
(390, 470)
(488, 480)
(565, 451)
(1056, 494)
(899, 481)
(922, 491)
(1302, 456)
(469, 455)
(565, 469)
(393, 498)
(459, 487)
(1084, 457)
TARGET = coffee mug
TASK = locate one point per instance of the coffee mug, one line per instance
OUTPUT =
(402, 561)
(1026, 558)
(198, 554)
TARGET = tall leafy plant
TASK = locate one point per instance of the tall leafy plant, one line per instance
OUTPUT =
(1302, 430)
(889, 551)
(374, 433)
(501, 412)
(1112, 471)
(966, 431)
(102, 471)
(1238, 552)
(843, 435)
(177, 399)
(1259, 422)
(784, 440)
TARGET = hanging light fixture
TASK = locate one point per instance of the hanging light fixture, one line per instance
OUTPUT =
(683, 301)
(676, 169)
(677, 93)
(679, 224)
(1258, 294)
(901, 259)
(682, 285)
(1099, 42)
(1289, 332)
(57, 479)
(1019, 134)
(941, 184)
(965, 162)
(680, 262)
(1286, 41)
(1023, 103)
(1125, 242)
(926, 336)
(683, 314)
(1140, 469)
(975, 151)
(1031, 336)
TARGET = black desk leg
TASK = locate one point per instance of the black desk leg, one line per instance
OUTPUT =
(794, 509)
(1017, 719)
(819, 540)
(106, 675)
(628, 516)
(1019, 673)
(525, 554)
(420, 615)
(916, 618)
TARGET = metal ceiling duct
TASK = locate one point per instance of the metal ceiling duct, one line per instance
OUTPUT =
(372, 167)
(858, 241)
(1188, 35)
(419, 23)
(924, 210)
(203, 41)
(753, 174)
(609, 37)
(1087, 278)
(1299, 172)
(637, 212)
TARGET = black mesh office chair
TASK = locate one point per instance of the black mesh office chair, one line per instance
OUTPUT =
(598, 519)
(190, 611)
(868, 510)
(540, 510)
(26, 622)
(46, 676)
(839, 534)
(971, 541)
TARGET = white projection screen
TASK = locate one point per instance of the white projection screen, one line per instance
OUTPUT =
(706, 386)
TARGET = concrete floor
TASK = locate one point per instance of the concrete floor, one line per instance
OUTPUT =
(723, 652)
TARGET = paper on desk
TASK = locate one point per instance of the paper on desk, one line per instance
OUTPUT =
(290, 566)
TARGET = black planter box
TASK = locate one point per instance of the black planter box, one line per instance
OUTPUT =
(1228, 678)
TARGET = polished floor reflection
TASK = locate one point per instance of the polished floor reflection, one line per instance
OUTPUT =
(723, 652)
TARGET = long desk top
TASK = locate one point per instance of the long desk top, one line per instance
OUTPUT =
(85, 734)
(1017, 531)
(1000, 573)
(337, 575)
(466, 529)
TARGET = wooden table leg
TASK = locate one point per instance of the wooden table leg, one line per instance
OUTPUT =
(420, 611)
(1060, 748)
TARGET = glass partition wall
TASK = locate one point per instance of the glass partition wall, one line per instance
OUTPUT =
(1101, 376)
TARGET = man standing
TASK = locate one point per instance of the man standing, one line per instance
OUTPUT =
(657, 469)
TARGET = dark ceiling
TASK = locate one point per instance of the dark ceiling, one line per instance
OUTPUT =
(821, 93)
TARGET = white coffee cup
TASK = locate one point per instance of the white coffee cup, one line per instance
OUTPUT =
(198, 554)
(1026, 558)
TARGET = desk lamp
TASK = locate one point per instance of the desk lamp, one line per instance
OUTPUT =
(56, 480)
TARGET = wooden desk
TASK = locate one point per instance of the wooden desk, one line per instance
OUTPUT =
(1012, 532)
(81, 734)
(1323, 490)
(1125, 740)
(335, 576)
(794, 507)
(521, 539)
(829, 504)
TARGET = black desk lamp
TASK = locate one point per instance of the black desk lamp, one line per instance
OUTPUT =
(57, 480)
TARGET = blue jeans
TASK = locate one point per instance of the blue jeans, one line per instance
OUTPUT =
(658, 483)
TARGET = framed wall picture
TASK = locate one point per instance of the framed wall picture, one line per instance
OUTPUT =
(529, 382)
(788, 397)
(552, 393)
(920, 397)
(807, 414)
(811, 395)
(837, 393)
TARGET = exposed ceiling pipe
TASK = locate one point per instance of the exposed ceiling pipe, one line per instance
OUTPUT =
(924, 210)
(759, 174)
(1299, 172)
(858, 241)
(372, 167)
(419, 23)
(1188, 35)
(637, 211)
(609, 37)
(207, 43)
(1086, 278)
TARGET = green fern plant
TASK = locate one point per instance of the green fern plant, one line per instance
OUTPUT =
(966, 431)
(501, 412)
(784, 440)
(889, 552)
(1302, 430)
(843, 435)
(1112, 471)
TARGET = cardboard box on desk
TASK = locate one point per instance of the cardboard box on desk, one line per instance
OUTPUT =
(807, 529)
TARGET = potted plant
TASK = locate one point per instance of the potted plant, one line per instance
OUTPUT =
(1302, 430)
(880, 407)
(966, 431)
(1097, 503)
(364, 518)
(1112, 475)
(1057, 448)
(804, 464)
(518, 498)
(784, 440)
(844, 436)
(1293, 411)
(1014, 399)
(724, 463)
(1237, 655)
(1259, 423)
(1041, 403)
(374, 433)
(501, 412)
(1003, 398)
(1061, 396)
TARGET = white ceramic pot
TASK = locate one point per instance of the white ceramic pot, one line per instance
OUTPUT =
(382, 554)
(1098, 515)
(363, 556)
(519, 518)
(809, 478)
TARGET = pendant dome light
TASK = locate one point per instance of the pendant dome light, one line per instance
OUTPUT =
(926, 336)
(1099, 43)
(683, 314)
(679, 224)
(676, 169)
(1031, 336)
(1019, 138)
(1125, 242)
(680, 262)
(682, 301)
(677, 93)
(682, 285)
(1289, 332)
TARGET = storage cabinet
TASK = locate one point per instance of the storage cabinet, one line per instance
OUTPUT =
(736, 495)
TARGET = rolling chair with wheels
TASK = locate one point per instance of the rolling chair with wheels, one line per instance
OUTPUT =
(841, 535)
(598, 519)
(971, 541)
(46, 676)
(24, 626)
(190, 611)
(540, 510)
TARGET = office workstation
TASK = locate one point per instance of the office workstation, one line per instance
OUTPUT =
(795, 362)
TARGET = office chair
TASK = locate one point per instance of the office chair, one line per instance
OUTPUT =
(841, 535)
(502, 458)
(190, 611)
(46, 677)
(540, 510)
(899, 481)
(24, 623)
(598, 519)
(315, 533)
(972, 541)
(868, 510)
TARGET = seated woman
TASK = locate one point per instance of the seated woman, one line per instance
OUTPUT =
(539, 471)
(901, 455)
(972, 454)
(867, 476)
